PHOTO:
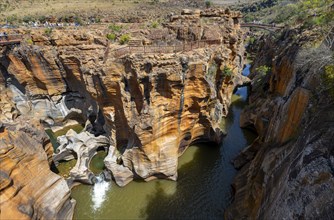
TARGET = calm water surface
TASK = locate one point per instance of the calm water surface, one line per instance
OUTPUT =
(203, 189)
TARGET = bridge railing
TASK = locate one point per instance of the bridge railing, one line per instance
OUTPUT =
(10, 39)
(151, 49)
(268, 26)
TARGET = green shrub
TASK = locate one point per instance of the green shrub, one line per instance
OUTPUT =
(27, 18)
(155, 24)
(115, 28)
(208, 4)
(78, 20)
(124, 39)
(42, 19)
(263, 70)
(227, 71)
(29, 41)
(12, 19)
(48, 31)
(329, 79)
(111, 36)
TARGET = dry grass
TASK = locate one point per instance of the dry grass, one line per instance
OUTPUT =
(21, 8)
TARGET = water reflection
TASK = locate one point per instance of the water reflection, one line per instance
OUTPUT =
(204, 185)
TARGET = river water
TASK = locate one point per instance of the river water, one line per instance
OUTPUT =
(202, 191)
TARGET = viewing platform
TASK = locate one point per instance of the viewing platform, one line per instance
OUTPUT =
(10, 39)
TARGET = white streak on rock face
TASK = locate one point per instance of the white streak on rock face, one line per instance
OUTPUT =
(18, 96)
(62, 107)
(99, 192)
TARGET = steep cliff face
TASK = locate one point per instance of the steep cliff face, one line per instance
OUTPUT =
(149, 107)
(287, 173)
(29, 190)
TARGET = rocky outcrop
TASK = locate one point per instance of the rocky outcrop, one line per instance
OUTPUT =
(82, 146)
(29, 190)
(150, 106)
(287, 173)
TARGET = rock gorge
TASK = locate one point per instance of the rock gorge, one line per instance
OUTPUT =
(287, 173)
(144, 109)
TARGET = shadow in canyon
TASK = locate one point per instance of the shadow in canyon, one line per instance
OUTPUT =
(197, 191)
(203, 189)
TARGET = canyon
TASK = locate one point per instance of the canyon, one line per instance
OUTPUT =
(287, 173)
(144, 109)
(122, 104)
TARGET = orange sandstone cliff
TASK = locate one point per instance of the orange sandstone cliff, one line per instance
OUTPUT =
(145, 109)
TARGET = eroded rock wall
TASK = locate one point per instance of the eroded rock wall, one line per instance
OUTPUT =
(29, 190)
(150, 106)
(287, 173)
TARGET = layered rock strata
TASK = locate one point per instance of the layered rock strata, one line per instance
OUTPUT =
(29, 190)
(150, 106)
(287, 173)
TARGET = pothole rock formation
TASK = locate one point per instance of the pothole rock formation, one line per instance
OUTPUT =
(28, 188)
(83, 146)
(150, 106)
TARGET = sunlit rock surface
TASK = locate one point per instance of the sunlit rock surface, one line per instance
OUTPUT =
(29, 190)
(287, 173)
(150, 106)
(83, 146)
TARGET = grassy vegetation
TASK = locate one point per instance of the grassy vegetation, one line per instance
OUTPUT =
(227, 71)
(64, 167)
(263, 70)
(261, 77)
(111, 36)
(115, 28)
(329, 79)
(48, 31)
(304, 12)
(17, 11)
(208, 4)
(124, 39)
(155, 24)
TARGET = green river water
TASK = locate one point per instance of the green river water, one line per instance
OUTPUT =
(202, 191)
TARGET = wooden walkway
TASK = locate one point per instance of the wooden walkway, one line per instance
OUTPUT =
(268, 27)
(10, 39)
(149, 49)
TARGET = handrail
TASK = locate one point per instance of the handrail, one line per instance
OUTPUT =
(150, 49)
(10, 39)
(264, 26)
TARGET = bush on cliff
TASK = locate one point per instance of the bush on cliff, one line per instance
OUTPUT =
(48, 31)
(115, 28)
(155, 24)
(124, 39)
(227, 71)
(111, 36)
(329, 79)
(208, 4)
